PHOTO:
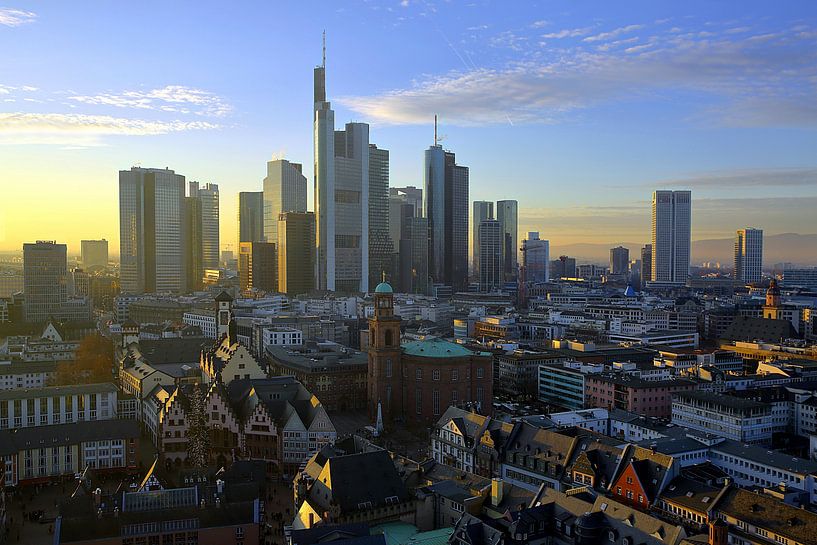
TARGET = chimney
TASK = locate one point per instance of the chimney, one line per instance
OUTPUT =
(497, 489)
(311, 520)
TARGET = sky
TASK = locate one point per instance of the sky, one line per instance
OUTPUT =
(579, 110)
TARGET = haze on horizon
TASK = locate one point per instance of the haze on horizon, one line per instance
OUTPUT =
(578, 112)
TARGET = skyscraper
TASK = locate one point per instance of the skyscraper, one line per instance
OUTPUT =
(94, 254)
(341, 196)
(45, 279)
(671, 236)
(192, 243)
(399, 197)
(251, 216)
(296, 252)
(257, 266)
(284, 191)
(483, 210)
(445, 203)
(748, 255)
(208, 197)
(152, 237)
(381, 248)
(507, 213)
(564, 267)
(619, 260)
(490, 255)
(646, 263)
(536, 258)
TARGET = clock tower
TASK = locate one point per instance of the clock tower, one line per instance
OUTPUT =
(385, 369)
(224, 314)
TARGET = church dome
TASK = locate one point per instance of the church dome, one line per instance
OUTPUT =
(383, 287)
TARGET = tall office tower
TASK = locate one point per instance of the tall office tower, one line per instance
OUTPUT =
(257, 266)
(564, 267)
(410, 194)
(284, 191)
(94, 254)
(208, 197)
(507, 213)
(152, 237)
(45, 279)
(646, 264)
(491, 239)
(296, 252)
(619, 260)
(251, 216)
(341, 196)
(381, 247)
(748, 255)
(412, 259)
(483, 210)
(445, 194)
(399, 197)
(671, 236)
(536, 258)
(193, 243)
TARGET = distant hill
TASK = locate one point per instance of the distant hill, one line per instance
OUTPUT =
(800, 249)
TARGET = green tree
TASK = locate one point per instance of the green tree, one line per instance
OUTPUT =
(198, 434)
(93, 363)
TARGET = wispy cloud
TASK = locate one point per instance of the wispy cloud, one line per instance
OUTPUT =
(172, 98)
(81, 129)
(613, 33)
(765, 79)
(747, 178)
(567, 33)
(16, 17)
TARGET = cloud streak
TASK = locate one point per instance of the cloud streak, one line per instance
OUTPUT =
(16, 17)
(172, 98)
(747, 178)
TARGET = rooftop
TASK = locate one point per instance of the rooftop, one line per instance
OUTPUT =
(438, 348)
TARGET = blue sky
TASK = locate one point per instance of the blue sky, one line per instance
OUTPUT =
(577, 109)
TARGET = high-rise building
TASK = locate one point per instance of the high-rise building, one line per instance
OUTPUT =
(410, 194)
(445, 194)
(284, 191)
(257, 266)
(749, 255)
(341, 196)
(619, 260)
(671, 236)
(207, 195)
(251, 216)
(491, 271)
(45, 279)
(536, 258)
(564, 267)
(399, 198)
(94, 254)
(152, 231)
(482, 210)
(193, 243)
(381, 247)
(296, 252)
(507, 213)
(646, 264)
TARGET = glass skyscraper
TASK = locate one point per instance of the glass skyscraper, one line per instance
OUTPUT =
(671, 236)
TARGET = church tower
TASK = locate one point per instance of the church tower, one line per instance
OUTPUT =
(385, 370)
(224, 313)
(771, 309)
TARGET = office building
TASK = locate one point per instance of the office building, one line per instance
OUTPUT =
(507, 213)
(482, 210)
(411, 195)
(296, 252)
(207, 195)
(341, 196)
(251, 216)
(152, 237)
(804, 277)
(564, 267)
(748, 255)
(45, 279)
(536, 258)
(619, 260)
(381, 247)
(646, 264)
(193, 243)
(671, 236)
(257, 266)
(94, 254)
(490, 255)
(284, 191)
(445, 194)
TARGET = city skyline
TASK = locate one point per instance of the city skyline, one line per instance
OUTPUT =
(742, 151)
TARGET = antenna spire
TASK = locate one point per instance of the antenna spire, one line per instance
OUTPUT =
(323, 61)
(435, 129)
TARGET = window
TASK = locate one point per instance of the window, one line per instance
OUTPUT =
(388, 367)
(418, 374)
(480, 372)
(435, 401)
(418, 400)
(455, 375)
(435, 375)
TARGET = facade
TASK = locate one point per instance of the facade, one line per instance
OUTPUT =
(45, 279)
(507, 214)
(564, 384)
(483, 210)
(536, 258)
(805, 277)
(750, 422)
(619, 260)
(381, 247)
(284, 191)
(153, 241)
(634, 394)
(193, 242)
(257, 266)
(251, 216)
(646, 264)
(491, 270)
(94, 254)
(47, 406)
(296, 252)
(671, 236)
(564, 267)
(207, 195)
(748, 255)
(445, 194)
(469, 442)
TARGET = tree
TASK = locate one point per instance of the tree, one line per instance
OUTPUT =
(198, 434)
(93, 363)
